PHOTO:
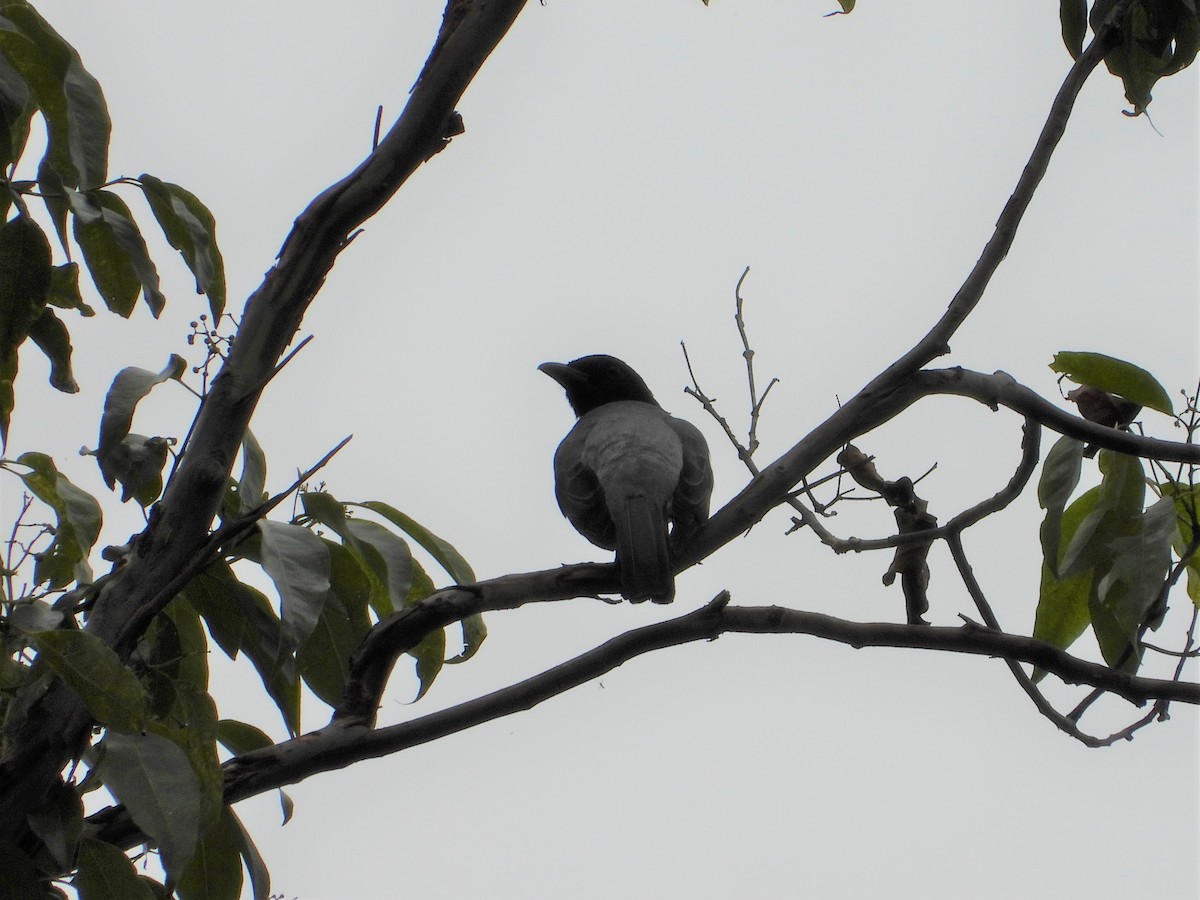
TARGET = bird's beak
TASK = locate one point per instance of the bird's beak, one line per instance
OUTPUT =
(562, 373)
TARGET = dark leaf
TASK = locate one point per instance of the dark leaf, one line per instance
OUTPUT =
(115, 252)
(152, 776)
(111, 692)
(64, 290)
(191, 229)
(260, 878)
(16, 111)
(1073, 16)
(215, 872)
(69, 98)
(239, 737)
(24, 283)
(51, 337)
(298, 563)
(105, 872)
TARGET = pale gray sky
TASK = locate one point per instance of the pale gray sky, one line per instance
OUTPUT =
(623, 162)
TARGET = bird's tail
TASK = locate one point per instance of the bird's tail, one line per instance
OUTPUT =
(642, 553)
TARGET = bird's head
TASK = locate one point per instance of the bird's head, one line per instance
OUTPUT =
(592, 381)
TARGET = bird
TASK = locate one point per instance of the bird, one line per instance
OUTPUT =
(629, 476)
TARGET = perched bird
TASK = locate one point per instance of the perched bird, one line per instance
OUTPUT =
(627, 470)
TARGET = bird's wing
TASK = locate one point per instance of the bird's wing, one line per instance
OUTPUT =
(578, 491)
(689, 505)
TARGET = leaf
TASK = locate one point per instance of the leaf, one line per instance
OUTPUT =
(137, 464)
(58, 823)
(239, 737)
(151, 775)
(297, 561)
(24, 283)
(324, 659)
(1060, 475)
(78, 526)
(69, 98)
(54, 196)
(241, 620)
(1117, 513)
(64, 290)
(252, 484)
(389, 559)
(114, 251)
(111, 692)
(446, 555)
(105, 872)
(22, 880)
(215, 872)
(35, 615)
(1115, 376)
(16, 111)
(191, 229)
(1073, 16)
(128, 389)
(51, 337)
(1062, 611)
(260, 878)
(327, 510)
(1141, 561)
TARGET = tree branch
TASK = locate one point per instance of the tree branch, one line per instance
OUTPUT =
(346, 742)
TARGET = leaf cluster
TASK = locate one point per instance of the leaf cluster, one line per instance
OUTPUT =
(1157, 38)
(42, 75)
(1107, 555)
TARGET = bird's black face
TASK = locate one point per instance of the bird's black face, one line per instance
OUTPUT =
(592, 381)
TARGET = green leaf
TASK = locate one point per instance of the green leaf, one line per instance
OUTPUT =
(115, 252)
(1062, 612)
(1073, 16)
(1140, 562)
(51, 337)
(389, 559)
(191, 229)
(1117, 514)
(78, 526)
(446, 555)
(297, 561)
(327, 510)
(1115, 376)
(215, 872)
(112, 693)
(105, 872)
(128, 389)
(152, 776)
(324, 659)
(69, 98)
(260, 878)
(1060, 475)
(239, 737)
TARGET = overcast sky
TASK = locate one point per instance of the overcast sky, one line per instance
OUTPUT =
(623, 162)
